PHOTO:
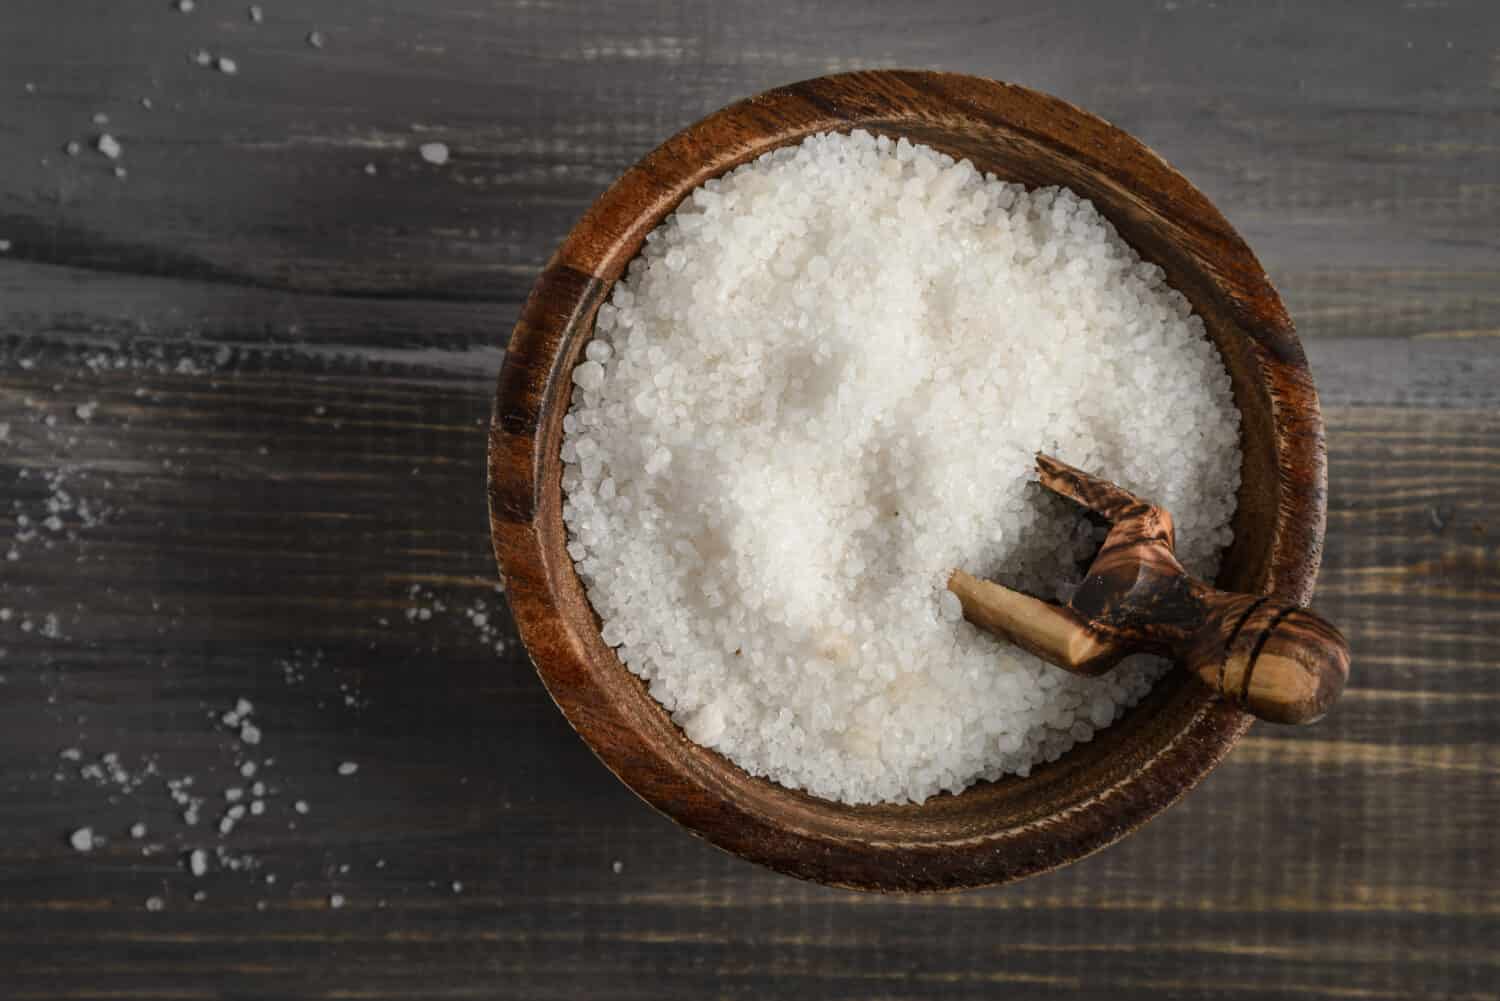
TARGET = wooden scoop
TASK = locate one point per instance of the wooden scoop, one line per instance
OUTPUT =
(1272, 658)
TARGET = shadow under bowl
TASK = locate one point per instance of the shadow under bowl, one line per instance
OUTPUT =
(993, 832)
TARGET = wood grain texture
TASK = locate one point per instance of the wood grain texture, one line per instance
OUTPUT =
(1269, 656)
(1353, 860)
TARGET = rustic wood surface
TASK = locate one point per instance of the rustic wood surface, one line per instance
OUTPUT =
(284, 363)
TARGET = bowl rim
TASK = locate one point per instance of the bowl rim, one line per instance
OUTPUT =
(535, 378)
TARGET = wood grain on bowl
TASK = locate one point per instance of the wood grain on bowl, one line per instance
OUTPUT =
(992, 832)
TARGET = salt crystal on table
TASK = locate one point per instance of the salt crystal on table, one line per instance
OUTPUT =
(197, 862)
(82, 839)
(336, 901)
(315, 39)
(434, 152)
(228, 66)
(155, 903)
(109, 146)
(348, 768)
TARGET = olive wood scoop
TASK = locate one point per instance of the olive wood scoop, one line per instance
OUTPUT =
(1270, 657)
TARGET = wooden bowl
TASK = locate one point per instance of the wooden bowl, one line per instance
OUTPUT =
(993, 832)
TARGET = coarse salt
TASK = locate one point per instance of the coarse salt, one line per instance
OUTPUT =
(817, 391)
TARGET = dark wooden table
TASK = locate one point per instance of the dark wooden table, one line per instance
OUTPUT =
(249, 379)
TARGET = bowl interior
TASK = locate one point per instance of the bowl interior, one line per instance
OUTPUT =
(993, 831)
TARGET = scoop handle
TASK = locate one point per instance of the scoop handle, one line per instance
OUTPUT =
(1273, 658)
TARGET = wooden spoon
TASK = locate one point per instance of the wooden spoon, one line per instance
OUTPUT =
(1270, 657)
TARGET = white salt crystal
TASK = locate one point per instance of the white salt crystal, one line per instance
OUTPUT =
(197, 862)
(138, 830)
(348, 767)
(315, 39)
(256, 14)
(810, 359)
(82, 839)
(109, 146)
(227, 65)
(434, 152)
(336, 900)
(300, 806)
(155, 903)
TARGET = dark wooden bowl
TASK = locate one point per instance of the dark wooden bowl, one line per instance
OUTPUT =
(995, 831)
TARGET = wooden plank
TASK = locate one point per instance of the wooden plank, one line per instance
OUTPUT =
(1358, 163)
(285, 363)
(1300, 866)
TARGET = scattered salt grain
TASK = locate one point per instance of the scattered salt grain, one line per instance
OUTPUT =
(458, 887)
(617, 867)
(72, 148)
(82, 839)
(155, 903)
(348, 768)
(834, 315)
(336, 901)
(197, 862)
(434, 152)
(85, 411)
(109, 146)
(227, 66)
(256, 14)
(100, 118)
(202, 57)
(186, 6)
(315, 39)
(4, 246)
(300, 806)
